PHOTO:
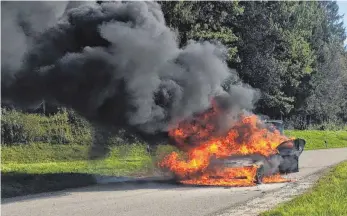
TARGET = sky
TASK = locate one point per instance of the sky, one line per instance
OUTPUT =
(343, 10)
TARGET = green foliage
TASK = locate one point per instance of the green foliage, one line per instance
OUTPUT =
(275, 52)
(164, 150)
(81, 128)
(204, 21)
(315, 139)
(17, 127)
(327, 197)
(328, 126)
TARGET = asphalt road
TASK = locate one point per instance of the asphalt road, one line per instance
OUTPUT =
(157, 199)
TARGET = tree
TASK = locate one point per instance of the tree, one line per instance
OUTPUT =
(275, 52)
(327, 101)
(204, 21)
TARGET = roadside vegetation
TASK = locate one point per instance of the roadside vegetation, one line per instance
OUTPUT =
(327, 197)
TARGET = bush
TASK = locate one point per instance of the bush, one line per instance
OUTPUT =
(81, 128)
(17, 127)
(300, 122)
(60, 128)
(330, 126)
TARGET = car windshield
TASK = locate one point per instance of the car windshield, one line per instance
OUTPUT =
(276, 126)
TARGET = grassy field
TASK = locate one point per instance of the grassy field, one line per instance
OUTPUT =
(327, 197)
(315, 139)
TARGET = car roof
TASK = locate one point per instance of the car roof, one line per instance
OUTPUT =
(274, 121)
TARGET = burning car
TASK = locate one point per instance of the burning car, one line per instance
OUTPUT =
(249, 153)
(285, 161)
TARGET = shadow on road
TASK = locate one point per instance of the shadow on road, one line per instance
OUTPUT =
(19, 184)
(15, 186)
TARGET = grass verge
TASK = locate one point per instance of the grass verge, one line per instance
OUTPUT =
(43, 152)
(327, 197)
(27, 169)
(102, 167)
(315, 139)
(23, 179)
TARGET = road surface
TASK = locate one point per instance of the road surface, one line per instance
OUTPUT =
(157, 199)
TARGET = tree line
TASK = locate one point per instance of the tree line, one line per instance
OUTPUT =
(293, 52)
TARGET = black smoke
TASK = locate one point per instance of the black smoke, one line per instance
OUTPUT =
(115, 63)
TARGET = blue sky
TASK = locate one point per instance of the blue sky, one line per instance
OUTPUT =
(343, 10)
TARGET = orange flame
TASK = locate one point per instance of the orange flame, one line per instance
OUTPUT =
(200, 139)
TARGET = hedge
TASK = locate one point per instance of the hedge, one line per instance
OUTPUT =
(19, 128)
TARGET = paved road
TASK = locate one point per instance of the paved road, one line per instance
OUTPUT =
(156, 199)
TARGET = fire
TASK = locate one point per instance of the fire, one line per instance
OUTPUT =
(275, 178)
(202, 140)
(227, 177)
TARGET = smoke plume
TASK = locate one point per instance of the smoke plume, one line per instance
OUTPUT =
(114, 63)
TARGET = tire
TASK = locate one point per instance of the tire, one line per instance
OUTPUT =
(259, 175)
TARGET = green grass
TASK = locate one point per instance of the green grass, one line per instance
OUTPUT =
(45, 158)
(108, 166)
(43, 152)
(327, 198)
(102, 167)
(315, 138)
(60, 128)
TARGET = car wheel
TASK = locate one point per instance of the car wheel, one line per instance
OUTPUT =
(259, 175)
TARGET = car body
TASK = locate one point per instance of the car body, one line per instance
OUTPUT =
(286, 160)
